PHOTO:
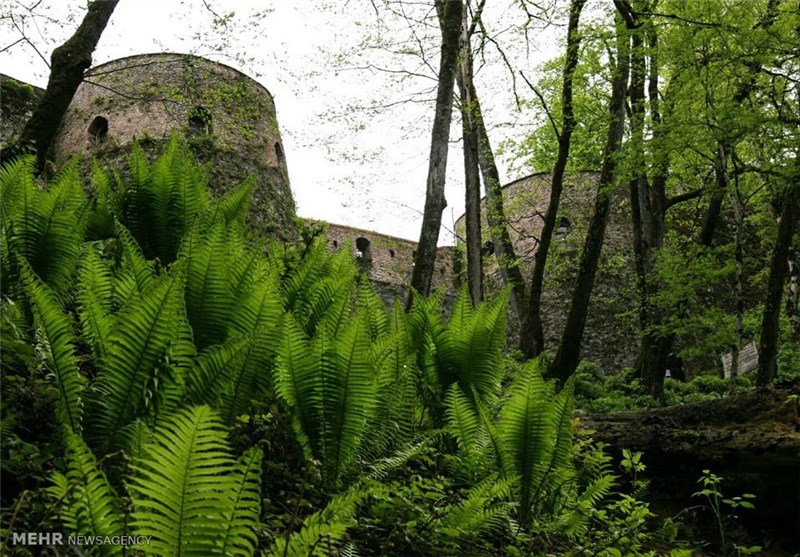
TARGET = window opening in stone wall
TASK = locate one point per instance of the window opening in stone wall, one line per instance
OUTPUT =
(335, 244)
(279, 153)
(363, 253)
(488, 248)
(98, 130)
(391, 253)
(200, 121)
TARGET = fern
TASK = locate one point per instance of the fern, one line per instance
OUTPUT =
(330, 388)
(484, 509)
(56, 331)
(469, 348)
(147, 330)
(46, 229)
(87, 504)
(163, 200)
(535, 439)
(209, 297)
(322, 529)
(95, 294)
(190, 494)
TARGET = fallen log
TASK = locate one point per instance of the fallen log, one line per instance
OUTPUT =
(752, 440)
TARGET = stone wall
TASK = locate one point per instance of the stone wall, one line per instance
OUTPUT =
(611, 334)
(17, 102)
(388, 259)
(228, 119)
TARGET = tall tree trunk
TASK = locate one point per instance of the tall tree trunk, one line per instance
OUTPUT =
(768, 346)
(449, 13)
(738, 221)
(568, 355)
(496, 218)
(532, 338)
(472, 179)
(793, 292)
(68, 63)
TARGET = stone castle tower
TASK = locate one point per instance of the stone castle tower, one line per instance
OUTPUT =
(227, 118)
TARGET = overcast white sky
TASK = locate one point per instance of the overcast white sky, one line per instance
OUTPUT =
(347, 164)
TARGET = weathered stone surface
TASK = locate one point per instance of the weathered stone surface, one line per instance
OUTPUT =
(229, 120)
(611, 331)
(17, 101)
(388, 259)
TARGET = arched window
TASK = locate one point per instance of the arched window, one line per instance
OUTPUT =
(362, 247)
(279, 153)
(200, 121)
(488, 248)
(363, 253)
(98, 130)
(391, 253)
(336, 243)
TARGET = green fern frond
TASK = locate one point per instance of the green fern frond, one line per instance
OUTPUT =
(104, 205)
(209, 298)
(190, 494)
(164, 200)
(240, 536)
(462, 420)
(233, 206)
(55, 328)
(138, 349)
(373, 307)
(296, 380)
(87, 504)
(46, 229)
(133, 260)
(484, 509)
(95, 295)
(330, 523)
(213, 368)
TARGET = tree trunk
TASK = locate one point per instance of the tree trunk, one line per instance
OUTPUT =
(793, 292)
(532, 339)
(472, 179)
(568, 355)
(450, 22)
(768, 346)
(68, 64)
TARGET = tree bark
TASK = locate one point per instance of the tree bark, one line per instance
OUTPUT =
(496, 218)
(532, 338)
(68, 63)
(770, 326)
(568, 355)
(472, 179)
(449, 13)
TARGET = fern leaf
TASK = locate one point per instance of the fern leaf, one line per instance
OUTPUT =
(94, 296)
(330, 523)
(189, 493)
(208, 287)
(56, 329)
(145, 331)
(88, 504)
(240, 537)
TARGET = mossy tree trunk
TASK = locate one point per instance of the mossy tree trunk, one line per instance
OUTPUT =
(779, 265)
(68, 64)
(449, 13)
(472, 178)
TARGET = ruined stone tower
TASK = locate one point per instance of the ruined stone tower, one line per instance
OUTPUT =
(228, 119)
